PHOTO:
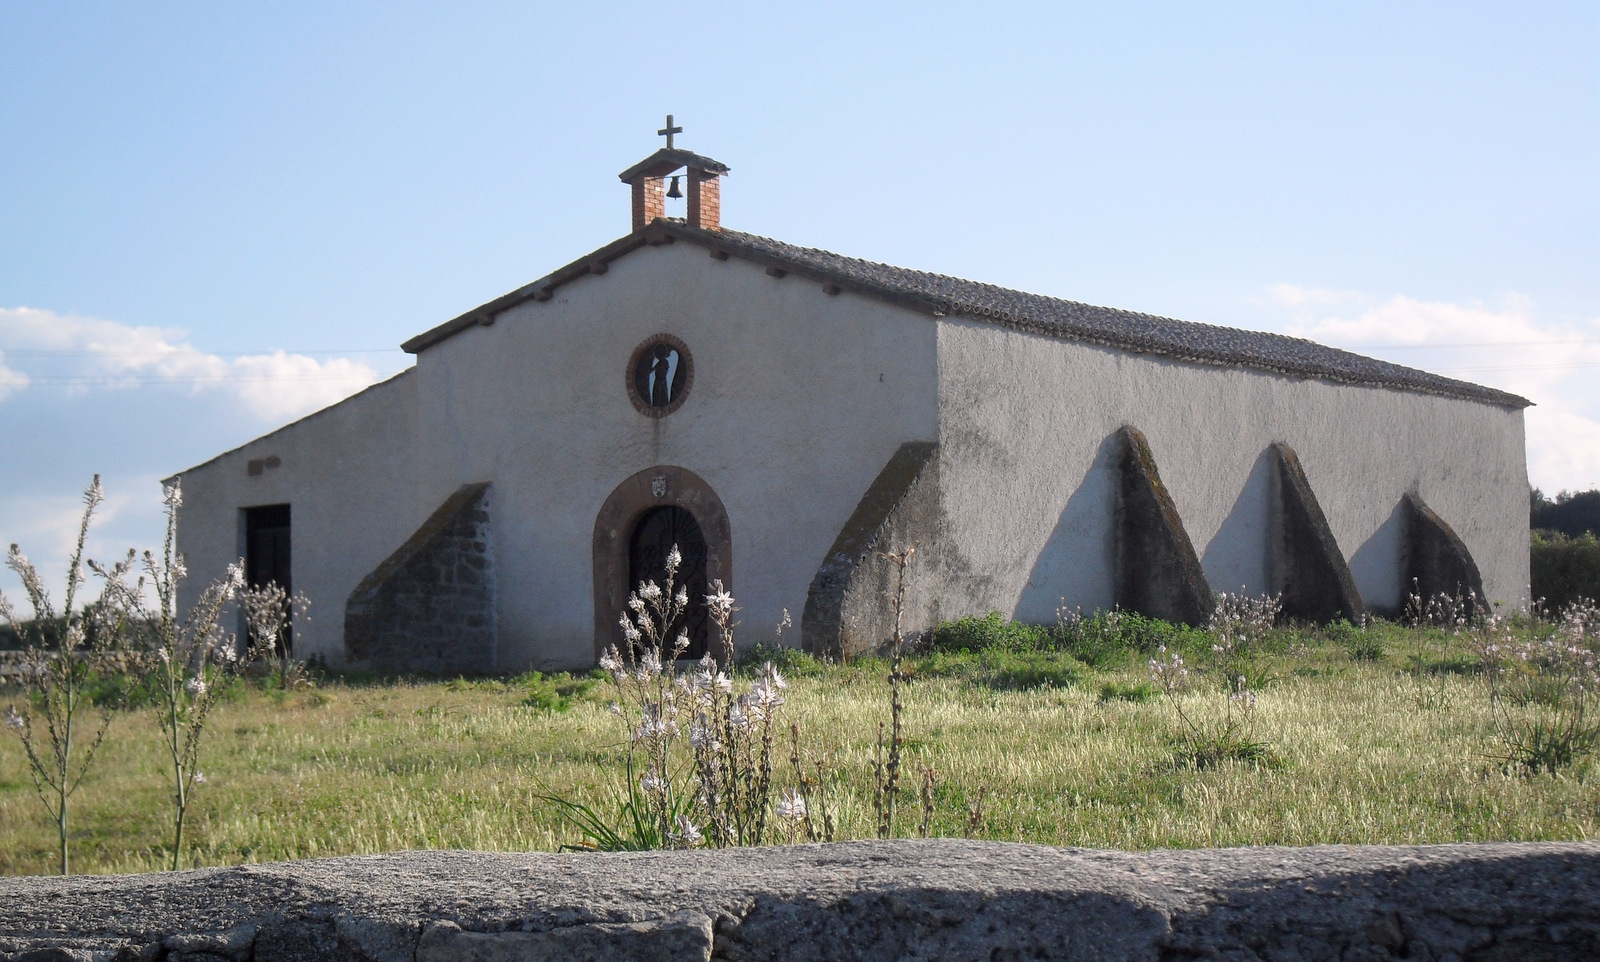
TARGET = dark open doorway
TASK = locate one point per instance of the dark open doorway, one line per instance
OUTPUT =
(266, 554)
(653, 537)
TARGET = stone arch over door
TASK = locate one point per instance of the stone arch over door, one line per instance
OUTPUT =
(613, 529)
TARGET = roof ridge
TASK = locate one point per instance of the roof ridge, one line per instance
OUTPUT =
(1385, 373)
(943, 294)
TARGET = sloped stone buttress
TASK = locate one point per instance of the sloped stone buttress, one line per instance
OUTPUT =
(1309, 571)
(1157, 571)
(849, 606)
(429, 608)
(1436, 561)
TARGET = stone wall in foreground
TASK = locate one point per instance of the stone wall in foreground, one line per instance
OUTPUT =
(928, 899)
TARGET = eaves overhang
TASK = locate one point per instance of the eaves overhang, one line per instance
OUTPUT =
(941, 296)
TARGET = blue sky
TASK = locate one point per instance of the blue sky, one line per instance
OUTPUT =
(216, 217)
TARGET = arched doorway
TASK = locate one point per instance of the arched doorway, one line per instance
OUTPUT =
(632, 513)
(655, 534)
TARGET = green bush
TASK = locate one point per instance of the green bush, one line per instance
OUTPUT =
(991, 632)
(1564, 569)
(553, 693)
(791, 662)
(1573, 513)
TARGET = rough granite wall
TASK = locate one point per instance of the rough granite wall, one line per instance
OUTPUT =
(430, 606)
(865, 901)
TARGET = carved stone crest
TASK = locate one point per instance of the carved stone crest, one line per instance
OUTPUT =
(658, 485)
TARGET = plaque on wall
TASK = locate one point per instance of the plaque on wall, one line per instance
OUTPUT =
(659, 375)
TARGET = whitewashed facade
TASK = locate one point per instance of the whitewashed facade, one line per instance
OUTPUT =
(807, 378)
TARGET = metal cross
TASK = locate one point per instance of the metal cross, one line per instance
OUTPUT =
(668, 131)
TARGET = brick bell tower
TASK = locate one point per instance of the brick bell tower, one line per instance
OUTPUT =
(650, 190)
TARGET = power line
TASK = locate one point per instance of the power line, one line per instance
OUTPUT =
(1430, 347)
(188, 379)
(175, 354)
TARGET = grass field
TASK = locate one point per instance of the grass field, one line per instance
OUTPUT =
(1363, 750)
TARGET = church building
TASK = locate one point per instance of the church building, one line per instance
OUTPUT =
(787, 417)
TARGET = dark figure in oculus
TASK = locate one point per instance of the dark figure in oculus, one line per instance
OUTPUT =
(663, 368)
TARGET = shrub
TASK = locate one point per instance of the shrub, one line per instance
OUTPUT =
(1564, 569)
(554, 693)
(1571, 513)
(791, 661)
(992, 631)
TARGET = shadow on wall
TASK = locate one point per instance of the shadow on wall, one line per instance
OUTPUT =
(1236, 558)
(1376, 565)
(1077, 562)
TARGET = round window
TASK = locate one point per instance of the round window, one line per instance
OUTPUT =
(659, 375)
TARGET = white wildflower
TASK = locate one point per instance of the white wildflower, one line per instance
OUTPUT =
(687, 832)
(611, 660)
(720, 602)
(651, 783)
(702, 737)
(14, 720)
(198, 778)
(196, 686)
(650, 591)
(792, 805)
(681, 598)
(764, 697)
(674, 559)
(776, 680)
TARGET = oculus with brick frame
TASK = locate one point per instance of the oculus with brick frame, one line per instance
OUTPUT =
(803, 413)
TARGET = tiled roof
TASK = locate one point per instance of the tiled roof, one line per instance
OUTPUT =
(940, 295)
(1129, 330)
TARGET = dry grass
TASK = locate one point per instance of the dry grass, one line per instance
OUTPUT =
(1365, 757)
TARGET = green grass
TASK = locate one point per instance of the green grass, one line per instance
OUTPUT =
(1361, 750)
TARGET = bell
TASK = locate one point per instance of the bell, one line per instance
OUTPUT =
(672, 188)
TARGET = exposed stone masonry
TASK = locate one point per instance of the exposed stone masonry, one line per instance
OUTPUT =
(861, 901)
(429, 608)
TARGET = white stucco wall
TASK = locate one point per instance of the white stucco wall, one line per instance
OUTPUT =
(347, 474)
(1029, 476)
(799, 399)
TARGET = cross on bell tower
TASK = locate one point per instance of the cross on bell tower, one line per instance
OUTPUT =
(648, 179)
(668, 131)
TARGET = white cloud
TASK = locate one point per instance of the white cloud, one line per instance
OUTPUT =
(45, 527)
(85, 354)
(11, 381)
(1508, 346)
